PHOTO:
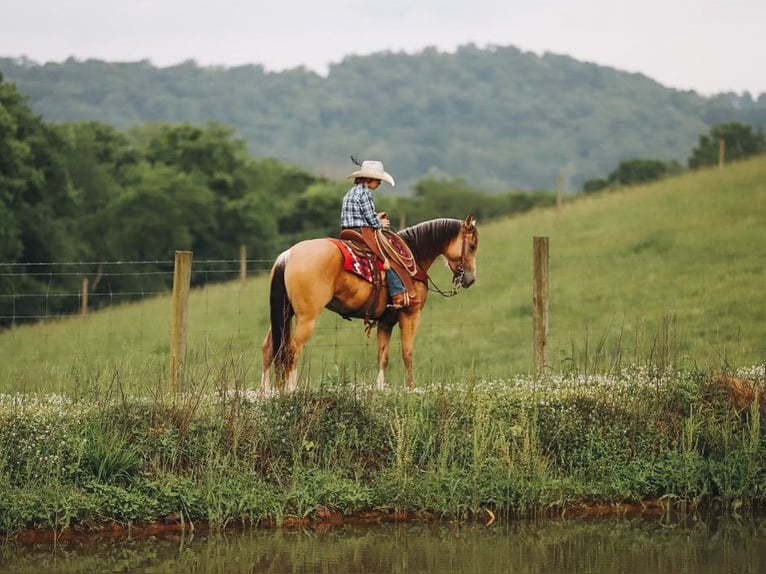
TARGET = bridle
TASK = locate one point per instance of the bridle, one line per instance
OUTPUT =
(458, 273)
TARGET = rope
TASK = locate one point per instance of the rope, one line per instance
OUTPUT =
(406, 260)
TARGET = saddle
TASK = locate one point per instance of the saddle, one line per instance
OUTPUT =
(370, 241)
(369, 245)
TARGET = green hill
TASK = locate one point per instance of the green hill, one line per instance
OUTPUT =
(499, 117)
(672, 272)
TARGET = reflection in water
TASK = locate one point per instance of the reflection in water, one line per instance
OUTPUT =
(627, 546)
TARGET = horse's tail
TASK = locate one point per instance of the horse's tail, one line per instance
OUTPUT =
(281, 314)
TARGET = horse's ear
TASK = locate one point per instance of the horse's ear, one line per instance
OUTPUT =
(470, 222)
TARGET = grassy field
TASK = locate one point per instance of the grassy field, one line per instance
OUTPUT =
(672, 272)
(653, 290)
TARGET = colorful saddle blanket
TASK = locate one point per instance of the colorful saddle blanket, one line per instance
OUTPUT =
(355, 264)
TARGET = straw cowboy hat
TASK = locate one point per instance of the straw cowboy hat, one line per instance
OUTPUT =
(374, 170)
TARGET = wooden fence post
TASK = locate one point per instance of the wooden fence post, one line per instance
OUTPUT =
(84, 297)
(540, 301)
(242, 263)
(721, 153)
(181, 288)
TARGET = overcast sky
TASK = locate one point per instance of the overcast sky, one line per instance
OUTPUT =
(710, 46)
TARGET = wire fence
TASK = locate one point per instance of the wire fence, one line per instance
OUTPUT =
(31, 292)
(83, 315)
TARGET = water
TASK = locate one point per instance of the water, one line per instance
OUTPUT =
(625, 546)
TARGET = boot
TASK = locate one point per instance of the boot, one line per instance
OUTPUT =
(402, 300)
(399, 301)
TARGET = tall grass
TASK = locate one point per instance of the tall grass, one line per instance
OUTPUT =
(454, 449)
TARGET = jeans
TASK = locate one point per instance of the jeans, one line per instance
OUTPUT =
(394, 283)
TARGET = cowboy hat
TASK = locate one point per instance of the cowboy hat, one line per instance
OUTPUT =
(374, 170)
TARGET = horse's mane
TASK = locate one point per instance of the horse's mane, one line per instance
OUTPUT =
(429, 239)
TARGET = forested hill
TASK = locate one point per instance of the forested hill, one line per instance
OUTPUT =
(499, 117)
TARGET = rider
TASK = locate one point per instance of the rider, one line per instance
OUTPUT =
(359, 211)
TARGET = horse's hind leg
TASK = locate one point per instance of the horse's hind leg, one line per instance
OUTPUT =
(310, 281)
(304, 328)
(268, 358)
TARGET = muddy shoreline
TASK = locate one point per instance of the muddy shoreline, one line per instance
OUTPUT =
(323, 521)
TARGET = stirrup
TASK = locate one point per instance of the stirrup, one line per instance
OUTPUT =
(399, 301)
(403, 300)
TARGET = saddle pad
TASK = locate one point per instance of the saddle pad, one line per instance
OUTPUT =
(351, 262)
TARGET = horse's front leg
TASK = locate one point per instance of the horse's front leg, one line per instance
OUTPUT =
(409, 320)
(384, 350)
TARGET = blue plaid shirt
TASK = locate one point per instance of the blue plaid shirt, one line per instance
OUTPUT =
(359, 209)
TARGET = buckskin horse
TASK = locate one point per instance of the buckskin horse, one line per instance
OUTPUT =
(310, 276)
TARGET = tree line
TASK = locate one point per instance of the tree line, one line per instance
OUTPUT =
(87, 191)
(726, 142)
(499, 117)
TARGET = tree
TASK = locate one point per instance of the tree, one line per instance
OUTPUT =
(633, 172)
(313, 213)
(637, 171)
(164, 211)
(99, 161)
(250, 221)
(211, 152)
(35, 197)
(740, 141)
(17, 168)
(594, 185)
(447, 198)
(35, 206)
(455, 198)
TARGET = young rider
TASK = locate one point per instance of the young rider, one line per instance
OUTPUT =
(358, 211)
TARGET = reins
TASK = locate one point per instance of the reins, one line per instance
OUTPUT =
(457, 276)
(456, 284)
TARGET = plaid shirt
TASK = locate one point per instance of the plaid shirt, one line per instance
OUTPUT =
(359, 209)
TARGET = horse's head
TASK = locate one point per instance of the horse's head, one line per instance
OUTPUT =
(461, 254)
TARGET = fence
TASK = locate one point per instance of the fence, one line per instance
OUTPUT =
(521, 315)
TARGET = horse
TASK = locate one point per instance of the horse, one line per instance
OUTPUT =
(310, 276)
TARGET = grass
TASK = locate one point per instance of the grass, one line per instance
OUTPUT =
(653, 289)
(454, 449)
(668, 272)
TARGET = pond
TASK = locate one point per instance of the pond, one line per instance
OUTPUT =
(604, 545)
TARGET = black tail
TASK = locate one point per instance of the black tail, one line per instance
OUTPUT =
(281, 314)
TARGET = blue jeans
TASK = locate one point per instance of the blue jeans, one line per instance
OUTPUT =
(394, 283)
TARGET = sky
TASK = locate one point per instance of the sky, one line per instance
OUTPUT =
(709, 46)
